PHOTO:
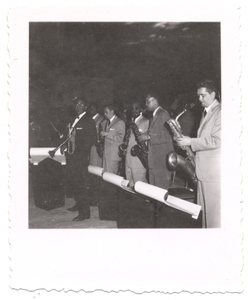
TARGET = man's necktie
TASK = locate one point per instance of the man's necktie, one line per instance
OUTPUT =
(108, 123)
(150, 121)
(204, 113)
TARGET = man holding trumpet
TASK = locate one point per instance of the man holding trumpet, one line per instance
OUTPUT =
(83, 131)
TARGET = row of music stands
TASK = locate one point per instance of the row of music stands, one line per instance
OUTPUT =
(129, 209)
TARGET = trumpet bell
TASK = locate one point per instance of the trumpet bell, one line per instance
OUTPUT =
(52, 153)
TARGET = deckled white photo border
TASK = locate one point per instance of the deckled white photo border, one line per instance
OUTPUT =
(160, 260)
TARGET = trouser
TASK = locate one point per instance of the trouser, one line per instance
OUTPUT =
(80, 183)
(135, 174)
(209, 197)
(160, 177)
(111, 166)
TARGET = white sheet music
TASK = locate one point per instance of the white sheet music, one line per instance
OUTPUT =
(39, 154)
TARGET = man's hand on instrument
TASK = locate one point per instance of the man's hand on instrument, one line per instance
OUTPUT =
(184, 141)
(143, 137)
(62, 149)
(104, 133)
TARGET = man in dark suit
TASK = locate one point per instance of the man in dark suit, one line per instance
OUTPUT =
(95, 159)
(83, 130)
(113, 133)
(159, 144)
(207, 146)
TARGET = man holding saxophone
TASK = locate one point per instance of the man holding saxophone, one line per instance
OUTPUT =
(207, 146)
(159, 144)
(135, 170)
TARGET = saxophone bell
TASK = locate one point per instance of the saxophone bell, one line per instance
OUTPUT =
(176, 161)
(135, 150)
(172, 160)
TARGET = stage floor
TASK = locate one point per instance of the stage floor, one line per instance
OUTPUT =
(62, 218)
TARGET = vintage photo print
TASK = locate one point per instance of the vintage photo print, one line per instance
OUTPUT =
(123, 174)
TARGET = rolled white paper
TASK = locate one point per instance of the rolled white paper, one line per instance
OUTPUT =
(114, 179)
(161, 195)
(95, 170)
(151, 191)
(185, 206)
(39, 154)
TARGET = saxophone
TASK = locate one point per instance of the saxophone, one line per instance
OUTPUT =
(124, 145)
(177, 161)
(141, 149)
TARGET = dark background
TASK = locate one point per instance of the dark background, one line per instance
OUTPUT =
(117, 62)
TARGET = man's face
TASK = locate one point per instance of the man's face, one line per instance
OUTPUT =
(108, 113)
(205, 97)
(92, 110)
(136, 110)
(80, 107)
(150, 103)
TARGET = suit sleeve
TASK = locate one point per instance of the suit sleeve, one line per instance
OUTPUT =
(212, 140)
(118, 133)
(161, 134)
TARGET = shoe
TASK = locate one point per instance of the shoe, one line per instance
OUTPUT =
(73, 208)
(81, 217)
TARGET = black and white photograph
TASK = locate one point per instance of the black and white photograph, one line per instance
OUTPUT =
(117, 135)
(125, 155)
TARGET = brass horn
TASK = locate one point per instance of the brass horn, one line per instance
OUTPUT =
(52, 152)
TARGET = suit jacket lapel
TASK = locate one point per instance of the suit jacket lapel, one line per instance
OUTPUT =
(154, 118)
(207, 117)
(112, 123)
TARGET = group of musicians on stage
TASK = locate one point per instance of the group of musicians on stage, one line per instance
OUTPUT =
(142, 146)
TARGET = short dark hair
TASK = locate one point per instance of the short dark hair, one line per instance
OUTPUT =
(93, 104)
(81, 99)
(110, 106)
(209, 85)
(153, 95)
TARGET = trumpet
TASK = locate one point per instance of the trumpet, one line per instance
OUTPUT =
(52, 152)
(71, 143)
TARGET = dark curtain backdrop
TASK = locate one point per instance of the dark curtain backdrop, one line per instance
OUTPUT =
(120, 62)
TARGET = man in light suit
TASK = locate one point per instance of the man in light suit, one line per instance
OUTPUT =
(135, 171)
(95, 159)
(207, 146)
(113, 137)
(159, 144)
